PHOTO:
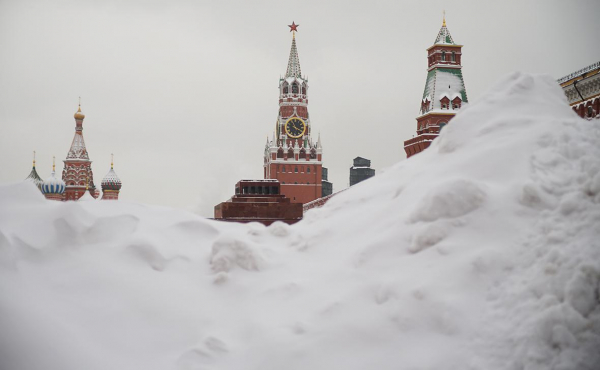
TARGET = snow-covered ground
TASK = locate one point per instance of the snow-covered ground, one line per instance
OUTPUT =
(481, 253)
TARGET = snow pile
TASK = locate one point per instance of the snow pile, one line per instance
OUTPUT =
(483, 252)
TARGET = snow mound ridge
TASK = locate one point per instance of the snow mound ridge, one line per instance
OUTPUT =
(482, 252)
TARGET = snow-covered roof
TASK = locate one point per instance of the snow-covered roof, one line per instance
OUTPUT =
(579, 73)
(444, 82)
(78, 149)
(111, 180)
(444, 37)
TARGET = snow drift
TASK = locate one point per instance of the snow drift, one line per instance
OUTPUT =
(482, 252)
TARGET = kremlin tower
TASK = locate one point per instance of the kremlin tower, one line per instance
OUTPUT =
(111, 184)
(77, 173)
(53, 188)
(291, 156)
(444, 94)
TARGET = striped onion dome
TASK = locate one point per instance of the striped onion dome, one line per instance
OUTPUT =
(111, 181)
(52, 185)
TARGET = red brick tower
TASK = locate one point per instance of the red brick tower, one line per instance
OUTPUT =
(444, 94)
(77, 172)
(292, 157)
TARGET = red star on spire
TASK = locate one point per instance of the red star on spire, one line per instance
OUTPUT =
(293, 27)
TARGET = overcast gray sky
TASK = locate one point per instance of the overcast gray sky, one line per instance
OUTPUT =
(184, 93)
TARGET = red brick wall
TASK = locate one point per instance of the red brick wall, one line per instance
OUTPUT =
(300, 192)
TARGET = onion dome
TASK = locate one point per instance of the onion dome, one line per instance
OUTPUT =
(34, 177)
(52, 185)
(111, 181)
(78, 114)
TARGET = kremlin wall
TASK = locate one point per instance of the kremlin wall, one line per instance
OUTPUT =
(294, 177)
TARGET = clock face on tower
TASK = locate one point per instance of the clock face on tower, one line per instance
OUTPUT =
(295, 127)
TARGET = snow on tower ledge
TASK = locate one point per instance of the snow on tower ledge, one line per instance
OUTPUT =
(482, 252)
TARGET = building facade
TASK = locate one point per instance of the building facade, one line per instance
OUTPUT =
(259, 201)
(360, 170)
(444, 93)
(582, 89)
(292, 156)
(325, 184)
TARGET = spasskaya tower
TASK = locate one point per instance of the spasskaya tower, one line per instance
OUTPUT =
(291, 156)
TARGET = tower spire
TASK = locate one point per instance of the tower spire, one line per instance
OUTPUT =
(112, 160)
(444, 36)
(53, 164)
(34, 159)
(293, 68)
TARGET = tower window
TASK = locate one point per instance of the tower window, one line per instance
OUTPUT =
(294, 88)
(590, 112)
(285, 88)
(296, 170)
(283, 170)
(307, 169)
(443, 56)
(453, 56)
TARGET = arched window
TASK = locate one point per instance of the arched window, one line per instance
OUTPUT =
(313, 153)
(307, 169)
(280, 153)
(590, 112)
(294, 88)
(285, 88)
(296, 169)
(302, 153)
(283, 170)
(443, 56)
(304, 89)
(290, 153)
(453, 56)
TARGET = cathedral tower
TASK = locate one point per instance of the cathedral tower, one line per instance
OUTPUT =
(77, 173)
(444, 94)
(292, 157)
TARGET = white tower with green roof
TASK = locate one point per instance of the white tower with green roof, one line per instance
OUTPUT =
(444, 93)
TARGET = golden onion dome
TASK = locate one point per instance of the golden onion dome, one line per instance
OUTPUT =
(78, 114)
